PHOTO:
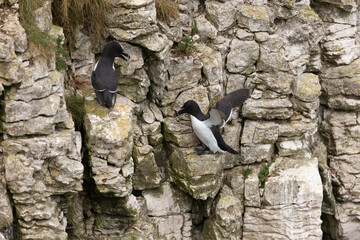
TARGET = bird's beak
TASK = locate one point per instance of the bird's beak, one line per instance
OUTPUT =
(125, 56)
(181, 111)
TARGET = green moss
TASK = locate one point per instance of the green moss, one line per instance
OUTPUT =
(263, 174)
(93, 107)
(246, 172)
(75, 106)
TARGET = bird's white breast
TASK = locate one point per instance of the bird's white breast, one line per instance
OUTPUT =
(203, 132)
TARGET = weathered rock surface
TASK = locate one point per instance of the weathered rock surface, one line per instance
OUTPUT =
(267, 109)
(225, 221)
(198, 175)
(142, 179)
(110, 143)
(295, 185)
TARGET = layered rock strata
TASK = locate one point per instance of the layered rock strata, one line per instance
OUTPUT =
(132, 171)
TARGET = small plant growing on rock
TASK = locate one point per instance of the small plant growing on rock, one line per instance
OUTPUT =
(61, 54)
(186, 45)
(263, 174)
(166, 10)
(246, 172)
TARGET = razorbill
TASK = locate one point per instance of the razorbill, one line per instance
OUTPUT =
(207, 127)
(103, 78)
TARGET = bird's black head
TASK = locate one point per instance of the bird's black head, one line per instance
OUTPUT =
(113, 49)
(190, 107)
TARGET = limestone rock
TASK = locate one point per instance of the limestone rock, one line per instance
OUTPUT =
(166, 200)
(146, 173)
(234, 178)
(306, 87)
(256, 153)
(297, 128)
(184, 72)
(212, 64)
(259, 132)
(279, 82)
(348, 6)
(244, 35)
(43, 16)
(252, 190)
(11, 72)
(141, 230)
(38, 125)
(136, 86)
(289, 147)
(13, 29)
(340, 131)
(221, 14)
(83, 59)
(346, 168)
(348, 227)
(198, 94)
(136, 61)
(6, 214)
(37, 169)
(255, 18)
(267, 109)
(135, 22)
(179, 132)
(110, 142)
(155, 42)
(7, 45)
(286, 196)
(261, 36)
(273, 55)
(341, 80)
(169, 227)
(205, 28)
(60, 151)
(226, 219)
(19, 110)
(308, 109)
(242, 55)
(234, 82)
(231, 135)
(198, 175)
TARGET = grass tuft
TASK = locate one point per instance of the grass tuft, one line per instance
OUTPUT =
(186, 45)
(91, 14)
(75, 105)
(166, 10)
(61, 54)
(38, 40)
(263, 174)
(246, 172)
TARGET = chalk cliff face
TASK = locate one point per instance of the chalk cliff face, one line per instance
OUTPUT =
(131, 173)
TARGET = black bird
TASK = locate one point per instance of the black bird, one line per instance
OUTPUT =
(103, 78)
(207, 127)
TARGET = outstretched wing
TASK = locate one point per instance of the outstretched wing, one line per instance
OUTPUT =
(220, 141)
(234, 99)
(215, 118)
